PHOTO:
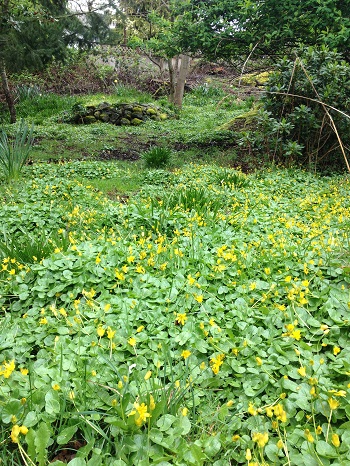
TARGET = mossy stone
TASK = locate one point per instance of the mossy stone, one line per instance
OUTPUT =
(163, 116)
(124, 121)
(137, 109)
(151, 111)
(89, 119)
(136, 121)
(104, 117)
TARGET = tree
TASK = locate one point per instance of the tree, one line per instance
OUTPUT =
(33, 33)
(227, 28)
(152, 23)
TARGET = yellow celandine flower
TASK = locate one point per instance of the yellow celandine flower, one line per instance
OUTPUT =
(181, 318)
(235, 438)
(110, 333)
(107, 307)
(280, 444)
(280, 413)
(141, 413)
(318, 430)
(260, 439)
(336, 350)
(148, 375)
(229, 403)
(152, 404)
(132, 341)
(16, 431)
(251, 410)
(309, 436)
(100, 331)
(191, 280)
(258, 361)
(202, 366)
(98, 259)
(216, 363)
(185, 354)
(7, 368)
(24, 371)
(56, 387)
(338, 392)
(198, 298)
(43, 321)
(139, 329)
(302, 371)
(333, 403)
(184, 411)
(248, 454)
(335, 440)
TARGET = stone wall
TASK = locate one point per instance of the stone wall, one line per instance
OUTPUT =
(117, 114)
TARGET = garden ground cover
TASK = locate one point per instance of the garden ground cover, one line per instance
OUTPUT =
(203, 322)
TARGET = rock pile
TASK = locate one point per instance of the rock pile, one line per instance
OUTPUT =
(116, 114)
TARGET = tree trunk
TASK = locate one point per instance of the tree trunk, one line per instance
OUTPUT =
(172, 80)
(181, 80)
(8, 96)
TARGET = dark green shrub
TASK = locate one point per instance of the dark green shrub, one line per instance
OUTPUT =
(156, 157)
(304, 100)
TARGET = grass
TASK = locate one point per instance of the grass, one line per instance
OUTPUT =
(190, 317)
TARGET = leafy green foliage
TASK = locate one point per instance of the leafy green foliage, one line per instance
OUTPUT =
(14, 154)
(156, 157)
(219, 337)
(305, 99)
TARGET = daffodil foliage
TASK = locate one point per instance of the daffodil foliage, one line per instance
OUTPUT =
(165, 330)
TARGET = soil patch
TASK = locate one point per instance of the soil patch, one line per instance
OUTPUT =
(117, 154)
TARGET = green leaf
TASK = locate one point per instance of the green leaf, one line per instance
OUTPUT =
(52, 404)
(324, 449)
(66, 434)
(41, 441)
(165, 422)
(212, 445)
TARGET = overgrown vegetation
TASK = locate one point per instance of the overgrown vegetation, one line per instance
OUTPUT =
(203, 321)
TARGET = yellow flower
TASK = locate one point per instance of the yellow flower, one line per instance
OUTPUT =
(260, 439)
(7, 368)
(335, 440)
(185, 354)
(198, 298)
(191, 280)
(148, 375)
(296, 334)
(302, 371)
(110, 333)
(248, 455)
(16, 430)
(309, 436)
(140, 413)
(181, 318)
(280, 444)
(229, 403)
(100, 331)
(184, 411)
(24, 371)
(132, 341)
(43, 321)
(139, 329)
(252, 410)
(216, 363)
(333, 403)
(152, 404)
(107, 307)
(98, 259)
(258, 361)
(56, 387)
(336, 350)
